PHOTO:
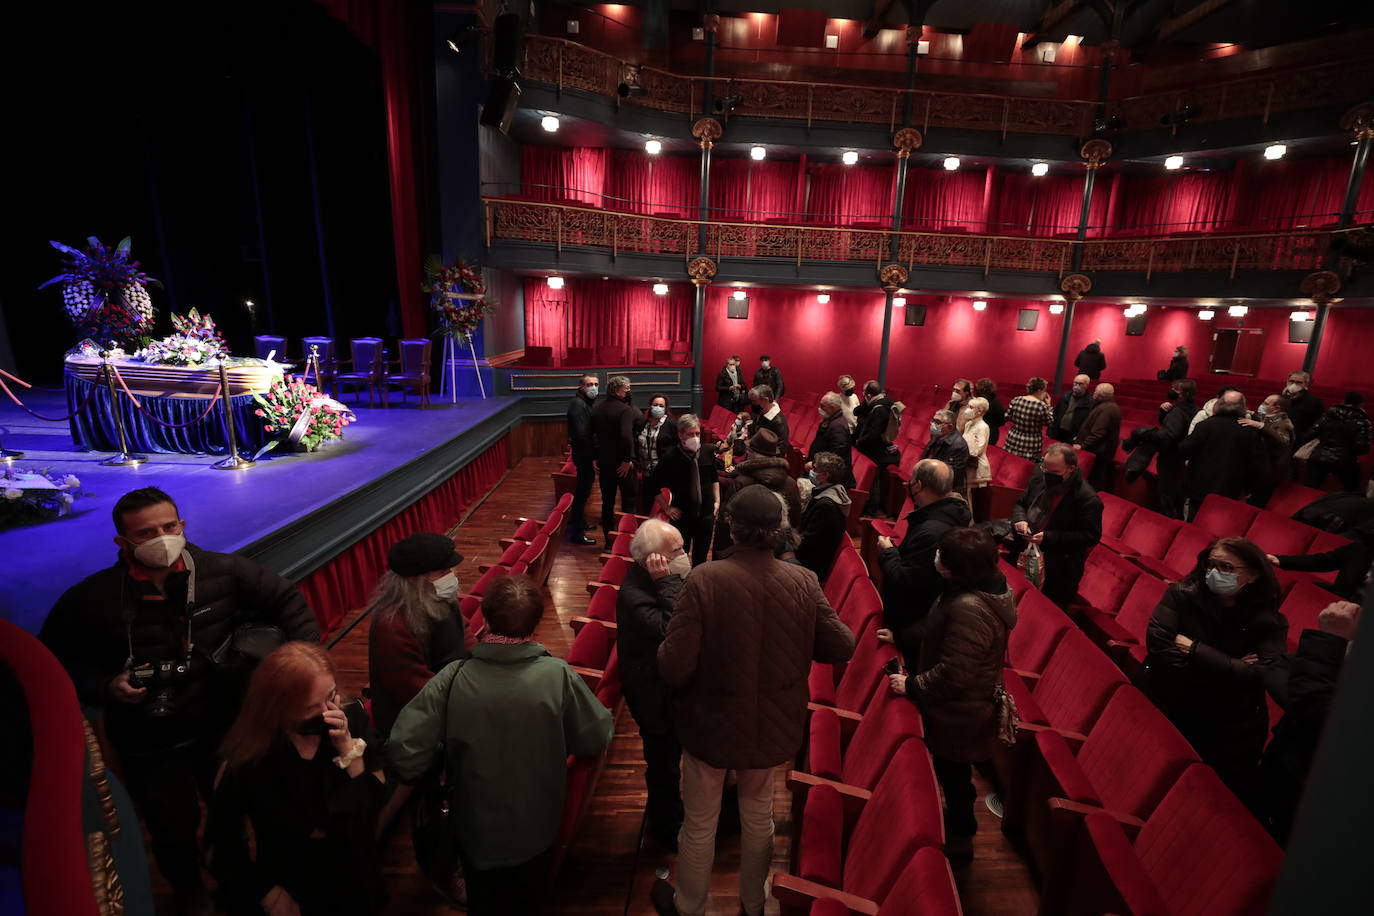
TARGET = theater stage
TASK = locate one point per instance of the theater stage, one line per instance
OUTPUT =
(293, 512)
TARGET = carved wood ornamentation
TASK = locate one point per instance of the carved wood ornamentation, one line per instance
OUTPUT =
(1321, 286)
(906, 140)
(1359, 121)
(702, 270)
(1095, 152)
(1076, 286)
(707, 131)
(893, 277)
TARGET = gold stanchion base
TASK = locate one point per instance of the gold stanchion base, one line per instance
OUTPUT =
(233, 463)
(124, 460)
(9, 454)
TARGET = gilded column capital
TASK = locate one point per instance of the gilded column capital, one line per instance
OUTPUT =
(707, 131)
(892, 276)
(1076, 286)
(701, 270)
(1095, 152)
(1321, 286)
(1359, 120)
(711, 22)
(906, 140)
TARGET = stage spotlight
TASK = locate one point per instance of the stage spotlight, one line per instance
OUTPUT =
(660, 289)
(1056, 308)
(898, 302)
(952, 163)
(757, 153)
(727, 104)
(1237, 311)
(1040, 169)
(1173, 162)
(1206, 315)
(653, 147)
(549, 123)
(1300, 316)
(980, 305)
(822, 298)
(850, 157)
(739, 295)
(555, 282)
(1275, 151)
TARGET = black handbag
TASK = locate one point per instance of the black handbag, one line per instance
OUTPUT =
(248, 645)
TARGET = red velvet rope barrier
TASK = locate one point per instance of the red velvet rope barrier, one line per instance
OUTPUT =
(219, 389)
(18, 381)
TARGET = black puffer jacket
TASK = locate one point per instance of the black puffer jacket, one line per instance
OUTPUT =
(86, 631)
(1342, 434)
(868, 438)
(910, 582)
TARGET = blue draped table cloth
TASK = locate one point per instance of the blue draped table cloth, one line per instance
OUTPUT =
(93, 429)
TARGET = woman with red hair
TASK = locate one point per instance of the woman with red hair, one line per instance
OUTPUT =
(302, 775)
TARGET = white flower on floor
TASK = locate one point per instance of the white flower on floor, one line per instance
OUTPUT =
(67, 499)
(71, 481)
(11, 493)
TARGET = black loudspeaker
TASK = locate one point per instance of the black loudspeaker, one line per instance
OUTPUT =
(1026, 319)
(915, 316)
(508, 42)
(1135, 327)
(736, 308)
(1300, 331)
(503, 94)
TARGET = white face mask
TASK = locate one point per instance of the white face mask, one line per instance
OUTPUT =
(161, 551)
(680, 565)
(765, 364)
(691, 443)
(1292, 388)
(592, 391)
(446, 586)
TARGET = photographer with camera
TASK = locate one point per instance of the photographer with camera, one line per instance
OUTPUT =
(162, 642)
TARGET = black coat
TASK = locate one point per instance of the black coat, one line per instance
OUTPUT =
(1352, 560)
(778, 425)
(1072, 530)
(728, 397)
(995, 418)
(823, 526)
(1075, 421)
(833, 436)
(772, 377)
(1342, 434)
(1178, 368)
(910, 583)
(86, 631)
(642, 610)
(873, 418)
(1091, 361)
(675, 470)
(1224, 458)
(580, 435)
(1173, 427)
(613, 422)
(1305, 411)
(953, 451)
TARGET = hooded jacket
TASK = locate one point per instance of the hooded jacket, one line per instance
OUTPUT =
(1091, 361)
(868, 435)
(1342, 435)
(822, 527)
(771, 473)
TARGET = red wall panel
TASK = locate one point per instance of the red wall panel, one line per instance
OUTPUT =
(1345, 354)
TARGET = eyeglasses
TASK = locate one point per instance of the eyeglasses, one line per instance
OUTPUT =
(1222, 566)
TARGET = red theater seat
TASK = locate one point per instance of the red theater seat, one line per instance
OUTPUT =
(1123, 636)
(887, 722)
(1116, 512)
(1149, 534)
(1289, 497)
(926, 888)
(1224, 518)
(1075, 686)
(1040, 624)
(1278, 535)
(861, 675)
(1016, 580)
(1301, 607)
(848, 567)
(1181, 557)
(1106, 580)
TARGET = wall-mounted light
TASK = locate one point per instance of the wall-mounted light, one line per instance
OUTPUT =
(980, 305)
(1173, 162)
(850, 157)
(757, 153)
(922, 47)
(1237, 311)
(660, 289)
(1135, 308)
(822, 298)
(1275, 151)
(653, 147)
(1040, 169)
(951, 163)
(739, 295)
(1056, 308)
(549, 123)
(1299, 316)
(1206, 315)
(898, 302)
(832, 42)
(555, 282)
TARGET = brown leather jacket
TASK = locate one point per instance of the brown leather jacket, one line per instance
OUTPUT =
(738, 650)
(963, 644)
(1101, 430)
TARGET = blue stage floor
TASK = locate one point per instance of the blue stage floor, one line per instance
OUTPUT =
(230, 510)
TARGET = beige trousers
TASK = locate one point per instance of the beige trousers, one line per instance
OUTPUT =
(702, 785)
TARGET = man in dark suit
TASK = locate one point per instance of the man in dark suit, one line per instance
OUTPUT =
(582, 441)
(690, 473)
(730, 386)
(870, 439)
(769, 374)
(1072, 409)
(768, 415)
(1304, 408)
(613, 423)
(1224, 456)
(947, 444)
(833, 436)
(1062, 514)
(1099, 434)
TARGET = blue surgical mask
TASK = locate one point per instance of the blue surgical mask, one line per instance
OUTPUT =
(935, 428)
(1222, 583)
(811, 476)
(592, 391)
(656, 412)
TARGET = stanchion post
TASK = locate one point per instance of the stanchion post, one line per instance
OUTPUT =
(234, 462)
(123, 459)
(9, 454)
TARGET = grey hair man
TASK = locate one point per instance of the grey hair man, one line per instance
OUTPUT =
(947, 444)
(613, 424)
(833, 435)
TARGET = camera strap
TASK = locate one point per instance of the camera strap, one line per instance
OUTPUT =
(128, 611)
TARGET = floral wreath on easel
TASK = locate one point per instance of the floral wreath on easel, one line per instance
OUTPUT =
(449, 286)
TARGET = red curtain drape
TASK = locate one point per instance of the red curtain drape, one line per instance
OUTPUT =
(743, 190)
(842, 195)
(1046, 206)
(1292, 193)
(617, 315)
(344, 583)
(1173, 203)
(564, 173)
(937, 199)
(639, 183)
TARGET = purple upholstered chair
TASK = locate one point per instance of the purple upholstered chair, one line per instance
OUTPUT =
(414, 375)
(266, 343)
(368, 369)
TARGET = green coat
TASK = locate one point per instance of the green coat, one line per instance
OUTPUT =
(506, 721)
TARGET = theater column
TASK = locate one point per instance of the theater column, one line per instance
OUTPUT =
(1075, 287)
(1359, 121)
(893, 277)
(706, 131)
(1094, 153)
(1320, 287)
(700, 270)
(903, 141)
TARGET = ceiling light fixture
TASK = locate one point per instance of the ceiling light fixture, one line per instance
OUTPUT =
(555, 282)
(850, 157)
(1206, 315)
(653, 147)
(549, 123)
(739, 295)
(898, 301)
(822, 298)
(951, 163)
(1299, 316)
(1056, 308)
(1237, 311)
(1040, 169)
(832, 42)
(1173, 162)
(660, 289)
(1275, 151)
(757, 153)
(980, 305)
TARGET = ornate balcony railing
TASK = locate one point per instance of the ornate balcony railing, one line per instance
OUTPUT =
(562, 226)
(568, 64)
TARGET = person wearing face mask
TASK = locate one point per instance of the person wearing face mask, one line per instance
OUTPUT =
(582, 443)
(1305, 408)
(770, 375)
(1099, 434)
(768, 415)
(824, 521)
(871, 441)
(1073, 408)
(762, 464)
(1342, 436)
(979, 471)
(1276, 429)
(167, 601)
(643, 608)
(1062, 514)
(1209, 644)
(657, 433)
(1225, 454)
(302, 773)
(613, 422)
(832, 435)
(416, 629)
(1161, 442)
(730, 385)
(959, 393)
(845, 386)
(690, 473)
(947, 445)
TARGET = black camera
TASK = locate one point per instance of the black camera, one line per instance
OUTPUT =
(162, 679)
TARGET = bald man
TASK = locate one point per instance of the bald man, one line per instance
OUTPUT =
(1072, 410)
(1099, 434)
(1225, 455)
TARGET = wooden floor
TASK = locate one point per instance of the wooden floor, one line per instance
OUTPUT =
(607, 871)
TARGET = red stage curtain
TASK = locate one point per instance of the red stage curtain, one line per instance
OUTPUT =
(640, 183)
(938, 198)
(1174, 203)
(743, 190)
(619, 315)
(344, 583)
(1045, 206)
(1292, 193)
(842, 195)
(560, 173)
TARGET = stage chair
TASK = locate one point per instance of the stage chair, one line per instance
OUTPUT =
(414, 375)
(644, 356)
(680, 353)
(610, 356)
(1224, 518)
(1040, 625)
(537, 356)
(925, 888)
(1181, 557)
(578, 356)
(368, 365)
(662, 357)
(266, 343)
(1118, 864)
(329, 364)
